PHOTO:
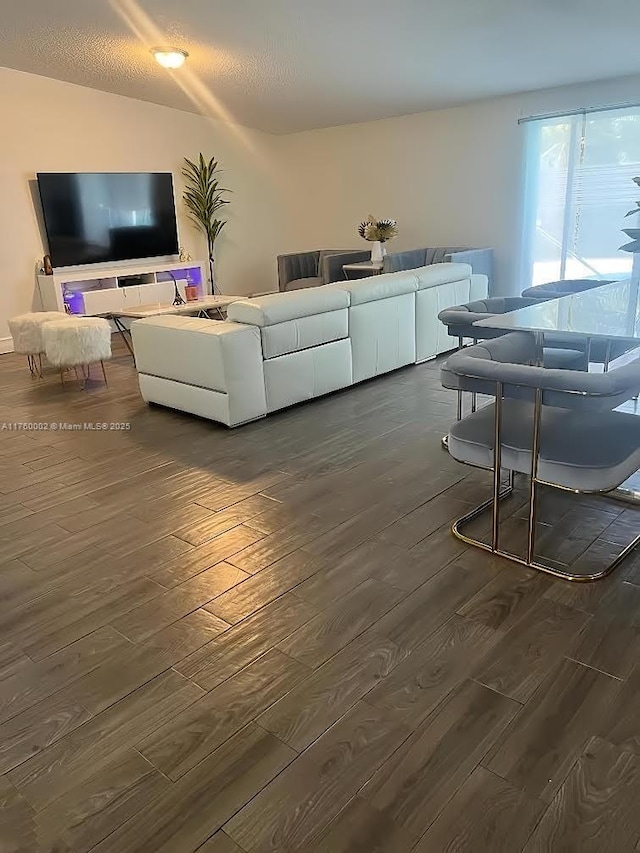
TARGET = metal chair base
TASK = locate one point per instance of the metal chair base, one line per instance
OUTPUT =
(460, 403)
(488, 506)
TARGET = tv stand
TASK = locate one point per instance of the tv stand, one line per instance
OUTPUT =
(97, 288)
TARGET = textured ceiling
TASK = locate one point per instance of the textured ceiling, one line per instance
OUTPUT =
(287, 65)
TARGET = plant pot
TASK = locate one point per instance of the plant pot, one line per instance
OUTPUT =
(191, 292)
(378, 252)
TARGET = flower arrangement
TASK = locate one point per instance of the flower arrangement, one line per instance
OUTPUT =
(378, 230)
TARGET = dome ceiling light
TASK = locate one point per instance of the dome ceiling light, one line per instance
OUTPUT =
(169, 57)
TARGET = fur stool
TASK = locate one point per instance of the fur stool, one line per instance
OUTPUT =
(77, 342)
(26, 331)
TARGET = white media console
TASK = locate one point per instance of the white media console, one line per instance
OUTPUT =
(102, 288)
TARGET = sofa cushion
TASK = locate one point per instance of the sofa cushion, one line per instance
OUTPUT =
(382, 335)
(304, 332)
(432, 337)
(376, 287)
(281, 307)
(436, 274)
(309, 373)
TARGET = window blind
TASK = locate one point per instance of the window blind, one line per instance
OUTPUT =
(578, 188)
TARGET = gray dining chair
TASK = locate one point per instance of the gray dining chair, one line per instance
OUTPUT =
(460, 320)
(558, 427)
(565, 287)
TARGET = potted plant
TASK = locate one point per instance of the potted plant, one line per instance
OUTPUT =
(634, 246)
(203, 197)
(633, 233)
(378, 231)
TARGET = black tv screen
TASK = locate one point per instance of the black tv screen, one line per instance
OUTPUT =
(96, 217)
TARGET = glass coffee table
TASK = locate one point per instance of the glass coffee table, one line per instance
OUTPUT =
(204, 307)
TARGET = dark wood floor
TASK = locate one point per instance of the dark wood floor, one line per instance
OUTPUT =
(268, 640)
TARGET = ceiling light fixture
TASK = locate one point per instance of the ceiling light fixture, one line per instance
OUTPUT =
(169, 57)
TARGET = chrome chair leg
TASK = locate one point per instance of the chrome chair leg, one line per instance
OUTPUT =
(607, 357)
(497, 468)
(533, 475)
(458, 531)
(459, 406)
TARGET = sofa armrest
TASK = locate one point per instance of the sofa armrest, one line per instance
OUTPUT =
(297, 265)
(481, 261)
(218, 356)
(331, 265)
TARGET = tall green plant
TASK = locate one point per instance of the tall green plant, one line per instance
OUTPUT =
(203, 197)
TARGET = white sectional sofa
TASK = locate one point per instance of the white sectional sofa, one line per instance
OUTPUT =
(278, 350)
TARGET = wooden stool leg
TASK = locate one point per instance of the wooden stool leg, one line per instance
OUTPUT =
(79, 378)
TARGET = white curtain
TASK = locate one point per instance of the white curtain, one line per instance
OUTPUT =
(578, 188)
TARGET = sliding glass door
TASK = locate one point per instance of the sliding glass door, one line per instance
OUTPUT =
(579, 186)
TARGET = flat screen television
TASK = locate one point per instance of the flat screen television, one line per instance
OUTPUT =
(96, 217)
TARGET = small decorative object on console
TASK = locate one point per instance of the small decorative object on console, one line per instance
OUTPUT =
(378, 231)
(46, 263)
(177, 298)
(184, 256)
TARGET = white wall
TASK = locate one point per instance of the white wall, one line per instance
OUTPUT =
(450, 177)
(49, 125)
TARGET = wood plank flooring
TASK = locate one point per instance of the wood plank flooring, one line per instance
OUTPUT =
(267, 640)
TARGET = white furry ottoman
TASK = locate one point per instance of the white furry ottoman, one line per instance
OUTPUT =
(26, 331)
(77, 342)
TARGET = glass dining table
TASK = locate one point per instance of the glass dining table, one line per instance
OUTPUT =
(609, 315)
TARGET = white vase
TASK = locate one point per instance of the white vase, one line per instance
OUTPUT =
(378, 252)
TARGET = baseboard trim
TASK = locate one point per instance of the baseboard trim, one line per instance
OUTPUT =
(6, 345)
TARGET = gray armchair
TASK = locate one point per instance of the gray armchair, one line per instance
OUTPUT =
(481, 260)
(313, 269)
(558, 427)
(560, 353)
(565, 287)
